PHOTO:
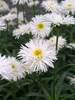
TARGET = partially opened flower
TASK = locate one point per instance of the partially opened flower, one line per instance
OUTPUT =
(68, 6)
(40, 27)
(72, 79)
(71, 45)
(50, 5)
(33, 3)
(68, 20)
(21, 30)
(11, 69)
(3, 25)
(61, 42)
(9, 17)
(20, 17)
(37, 55)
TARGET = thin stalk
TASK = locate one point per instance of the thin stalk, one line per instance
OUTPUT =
(34, 10)
(54, 84)
(71, 37)
(45, 91)
(57, 41)
(7, 26)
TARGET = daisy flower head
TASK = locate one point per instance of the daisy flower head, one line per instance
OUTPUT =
(40, 27)
(37, 55)
(11, 69)
(50, 5)
(68, 6)
(61, 42)
(21, 30)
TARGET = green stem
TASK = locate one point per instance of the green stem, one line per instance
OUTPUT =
(57, 41)
(7, 26)
(33, 11)
(45, 92)
(54, 84)
(71, 37)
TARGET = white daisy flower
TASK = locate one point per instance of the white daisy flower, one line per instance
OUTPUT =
(40, 27)
(68, 6)
(50, 5)
(3, 6)
(21, 30)
(68, 20)
(54, 18)
(3, 25)
(61, 42)
(37, 55)
(11, 69)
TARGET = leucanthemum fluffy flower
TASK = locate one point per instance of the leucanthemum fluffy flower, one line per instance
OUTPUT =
(11, 69)
(21, 30)
(61, 42)
(50, 5)
(68, 6)
(40, 27)
(37, 55)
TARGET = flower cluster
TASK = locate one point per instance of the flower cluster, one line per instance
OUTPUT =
(40, 53)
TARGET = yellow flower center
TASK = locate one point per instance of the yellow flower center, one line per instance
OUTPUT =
(40, 26)
(38, 53)
(13, 66)
(69, 6)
